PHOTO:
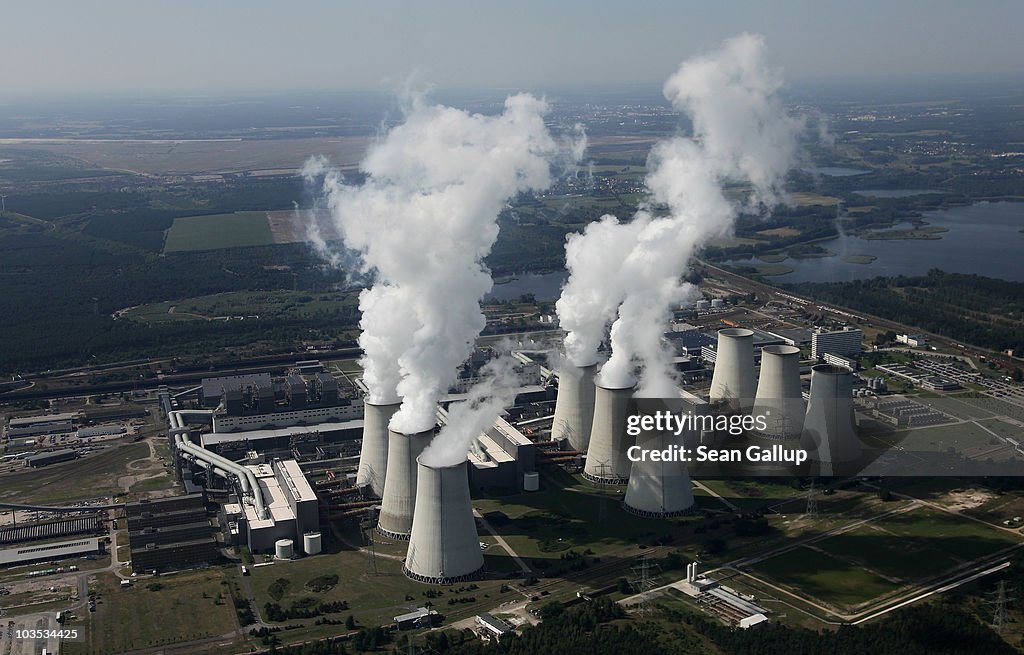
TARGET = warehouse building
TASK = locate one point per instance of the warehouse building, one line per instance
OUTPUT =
(47, 552)
(45, 459)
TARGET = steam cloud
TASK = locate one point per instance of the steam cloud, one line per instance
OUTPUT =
(487, 399)
(741, 136)
(423, 221)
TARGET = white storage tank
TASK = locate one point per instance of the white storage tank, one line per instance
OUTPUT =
(284, 549)
(717, 303)
(311, 543)
(531, 481)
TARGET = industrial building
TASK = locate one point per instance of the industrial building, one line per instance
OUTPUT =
(779, 395)
(574, 407)
(32, 426)
(20, 555)
(838, 342)
(607, 459)
(373, 454)
(170, 533)
(399, 498)
(52, 457)
(829, 435)
(40, 530)
(502, 456)
(732, 383)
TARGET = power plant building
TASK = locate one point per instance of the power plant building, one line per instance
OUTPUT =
(502, 456)
(292, 508)
(399, 498)
(170, 533)
(732, 382)
(838, 342)
(829, 426)
(373, 455)
(574, 407)
(607, 459)
(779, 393)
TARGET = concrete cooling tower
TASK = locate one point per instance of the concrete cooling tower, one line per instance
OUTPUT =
(399, 497)
(607, 462)
(373, 457)
(733, 379)
(779, 396)
(444, 547)
(829, 434)
(574, 407)
(659, 490)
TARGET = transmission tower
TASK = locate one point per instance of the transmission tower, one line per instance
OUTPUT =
(812, 502)
(643, 579)
(371, 552)
(1002, 599)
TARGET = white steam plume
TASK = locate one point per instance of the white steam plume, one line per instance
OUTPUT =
(487, 399)
(423, 221)
(741, 135)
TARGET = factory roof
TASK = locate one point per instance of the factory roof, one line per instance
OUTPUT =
(49, 551)
(45, 418)
(794, 336)
(418, 613)
(273, 497)
(212, 386)
(213, 438)
(495, 625)
(494, 452)
(510, 432)
(293, 475)
(55, 454)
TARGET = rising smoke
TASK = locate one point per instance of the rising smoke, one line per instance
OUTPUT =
(741, 137)
(423, 221)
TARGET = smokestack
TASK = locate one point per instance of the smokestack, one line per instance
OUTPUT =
(689, 572)
(658, 490)
(373, 456)
(574, 407)
(607, 462)
(829, 435)
(399, 498)
(444, 547)
(779, 396)
(733, 379)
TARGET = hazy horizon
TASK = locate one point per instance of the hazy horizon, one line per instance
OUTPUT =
(189, 48)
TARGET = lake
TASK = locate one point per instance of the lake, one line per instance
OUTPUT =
(544, 286)
(836, 171)
(983, 238)
(895, 193)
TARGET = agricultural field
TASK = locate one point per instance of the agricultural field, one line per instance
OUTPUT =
(216, 231)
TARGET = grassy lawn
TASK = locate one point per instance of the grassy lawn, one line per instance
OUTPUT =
(185, 607)
(216, 231)
(822, 576)
(92, 476)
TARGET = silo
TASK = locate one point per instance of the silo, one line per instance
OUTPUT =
(373, 457)
(284, 549)
(531, 481)
(312, 543)
(444, 547)
(658, 489)
(607, 462)
(779, 396)
(733, 379)
(829, 434)
(574, 407)
(399, 496)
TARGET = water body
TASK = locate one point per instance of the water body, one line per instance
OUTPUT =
(983, 238)
(836, 171)
(543, 286)
(895, 193)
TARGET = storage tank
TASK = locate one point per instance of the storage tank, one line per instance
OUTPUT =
(733, 379)
(703, 305)
(284, 549)
(717, 303)
(399, 497)
(607, 462)
(779, 395)
(373, 456)
(574, 407)
(312, 543)
(444, 547)
(830, 435)
(531, 481)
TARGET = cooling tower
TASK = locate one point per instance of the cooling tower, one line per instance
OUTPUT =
(607, 462)
(733, 379)
(829, 435)
(658, 490)
(779, 396)
(574, 407)
(399, 496)
(373, 457)
(444, 547)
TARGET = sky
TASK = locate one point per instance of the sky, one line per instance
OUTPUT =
(230, 46)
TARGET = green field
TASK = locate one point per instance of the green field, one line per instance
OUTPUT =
(818, 574)
(216, 231)
(187, 606)
(234, 304)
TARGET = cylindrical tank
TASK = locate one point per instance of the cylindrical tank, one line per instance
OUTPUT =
(659, 489)
(312, 543)
(373, 456)
(399, 498)
(284, 549)
(779, 396)
(830, 435)
(444, 547)
(717, 303)
(574, 407)
(531, 481)
(733, 379)
(703, 305)
(607, 462)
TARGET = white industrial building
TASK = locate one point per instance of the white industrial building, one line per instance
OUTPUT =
(838, 342)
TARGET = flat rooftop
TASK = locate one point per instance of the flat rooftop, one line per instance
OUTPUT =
(213, 438)
(46, 418)
(46, 551)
